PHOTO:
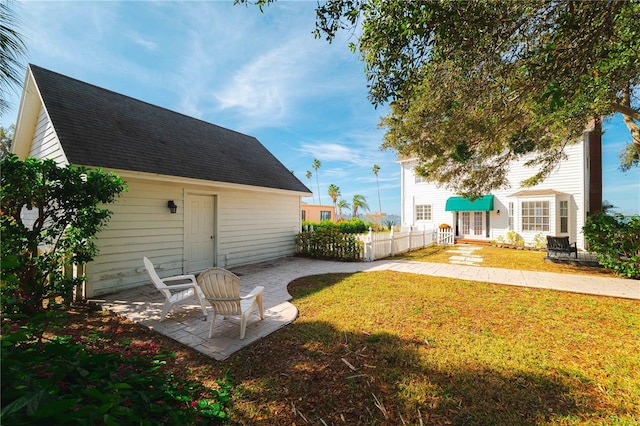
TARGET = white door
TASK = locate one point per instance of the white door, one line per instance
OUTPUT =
(471, 224)
(199, 233)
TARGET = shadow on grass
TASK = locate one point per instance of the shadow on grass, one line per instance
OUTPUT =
(325, 376)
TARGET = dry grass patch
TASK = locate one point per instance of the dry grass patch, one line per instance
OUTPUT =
(495, 257)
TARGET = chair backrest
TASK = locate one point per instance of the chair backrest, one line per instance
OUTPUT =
(558, 242)
(222, 290)
(155, 279)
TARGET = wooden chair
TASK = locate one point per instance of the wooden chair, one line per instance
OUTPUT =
(222, 289)
(175, 293)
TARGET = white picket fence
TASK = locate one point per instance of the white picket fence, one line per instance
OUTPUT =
(381, 245)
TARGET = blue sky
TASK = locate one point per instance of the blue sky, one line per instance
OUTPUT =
(263, 74)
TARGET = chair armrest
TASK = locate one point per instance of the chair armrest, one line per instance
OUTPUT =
(256, 291)
(178, 286)
(189, 277)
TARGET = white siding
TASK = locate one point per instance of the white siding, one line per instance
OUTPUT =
(45, 143)
(421, 193)
(569, 178)
(256, 226)
(251, 226)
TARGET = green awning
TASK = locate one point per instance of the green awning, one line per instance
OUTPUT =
(461, 204)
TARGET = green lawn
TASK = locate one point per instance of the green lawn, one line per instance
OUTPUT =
(395, 348)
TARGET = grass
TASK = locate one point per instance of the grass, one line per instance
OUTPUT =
(395, 348)
(390, 348)
(526, 260)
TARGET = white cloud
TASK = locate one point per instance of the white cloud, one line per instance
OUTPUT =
(141, 41)
(331, 152)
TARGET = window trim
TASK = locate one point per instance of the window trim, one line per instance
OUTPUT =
(531, 220)
(425, 217)
(511, 216)
(563, 205)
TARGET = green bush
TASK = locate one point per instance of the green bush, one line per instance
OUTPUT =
(68, 203)
(353, 226)
(616, 241)
(74, 379)
(328, 243)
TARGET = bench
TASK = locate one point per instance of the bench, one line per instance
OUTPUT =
(561, 245)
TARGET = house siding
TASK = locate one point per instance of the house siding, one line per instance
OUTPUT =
(569, 179)
(256, 226)
(141, 225)
(45, 143)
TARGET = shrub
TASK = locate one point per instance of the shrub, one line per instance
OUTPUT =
(539, 241)
(616, 242)
(353, 226)
(75, 379)
(515, 239)
(66, 202)
(328, 243)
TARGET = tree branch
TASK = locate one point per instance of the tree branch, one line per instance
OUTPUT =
(626, 111)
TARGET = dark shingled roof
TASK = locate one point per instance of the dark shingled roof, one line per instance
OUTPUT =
(101, 128)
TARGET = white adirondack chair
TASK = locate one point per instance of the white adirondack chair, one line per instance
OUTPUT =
(222, 289)
(175, 293)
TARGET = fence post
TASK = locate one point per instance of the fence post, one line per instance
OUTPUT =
(410, 237)
(391, 235)
(81, 290)
(368, 252)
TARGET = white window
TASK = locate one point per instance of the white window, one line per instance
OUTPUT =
(423, 212)
(511, 216)
(420, 179)
(564, 216)
(535, 216)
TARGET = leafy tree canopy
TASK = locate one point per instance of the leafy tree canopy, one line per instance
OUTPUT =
(473, 85)
(6, 138)
(48, 218)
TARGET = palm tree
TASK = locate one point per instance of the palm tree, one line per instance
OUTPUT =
(359, 202)
(309, 174)
(316, 166)
(376, 169)
(334, 193)
(342, 204)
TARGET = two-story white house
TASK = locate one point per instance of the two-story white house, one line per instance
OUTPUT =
(558, 206)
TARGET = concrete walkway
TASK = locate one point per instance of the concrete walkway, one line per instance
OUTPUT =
(186, 324)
